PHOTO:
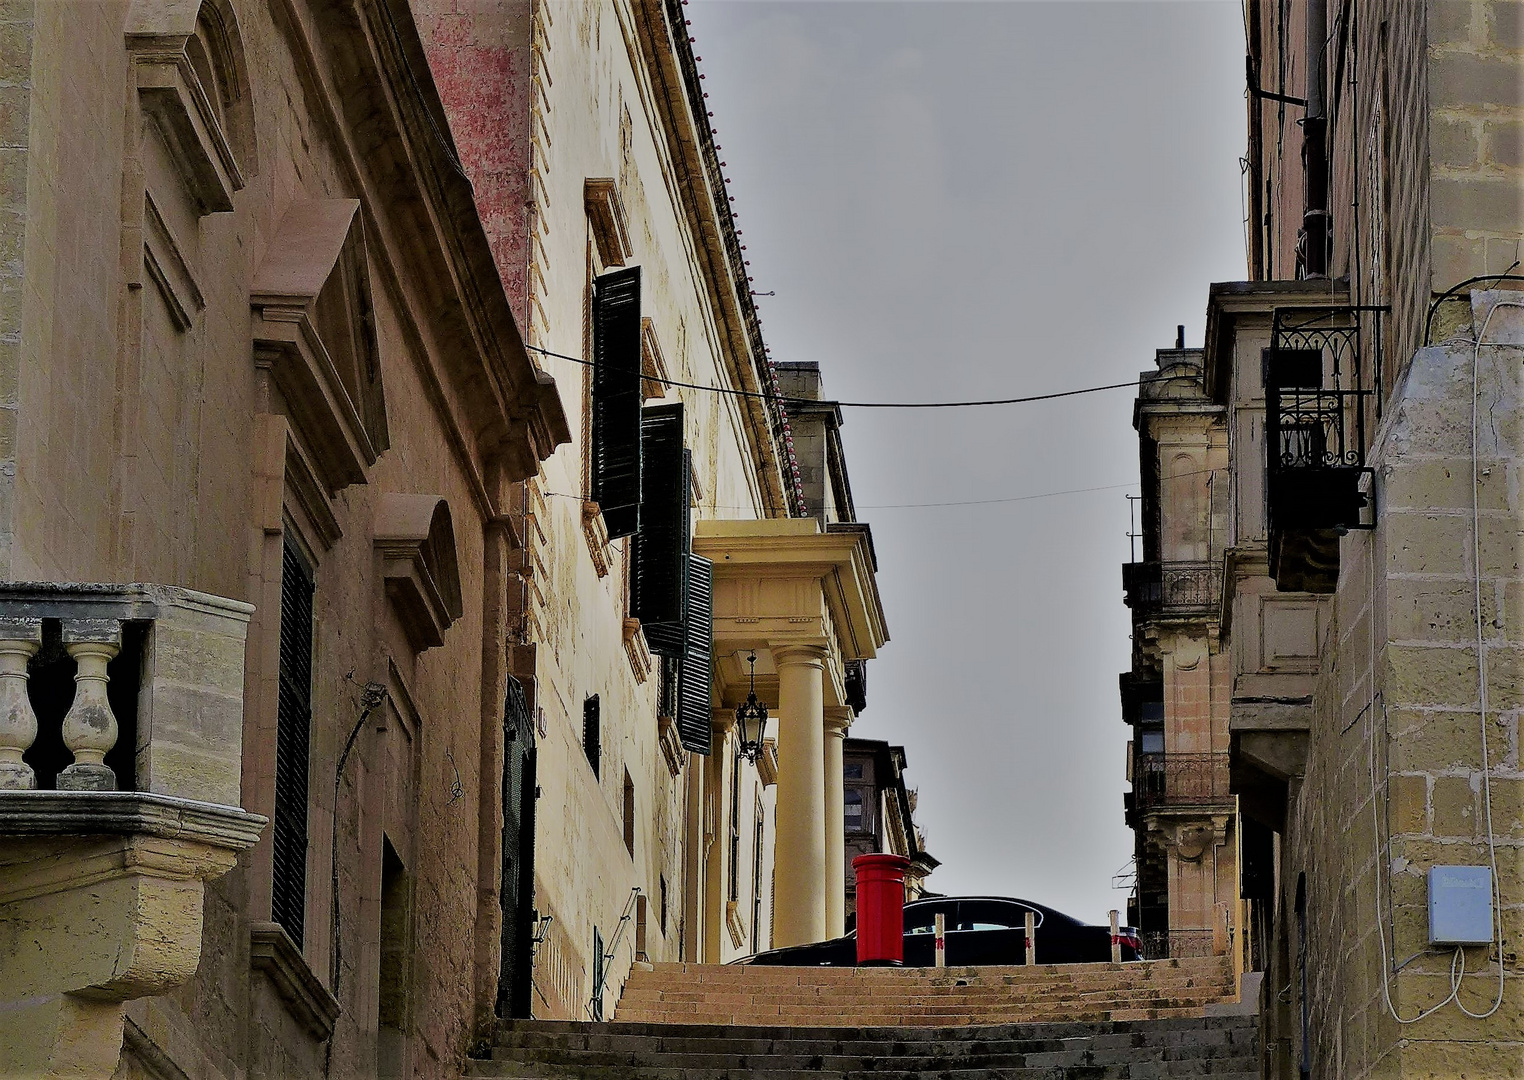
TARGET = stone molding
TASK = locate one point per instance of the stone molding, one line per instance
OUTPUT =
(84, 813)
(597, 536)
(671, 745)
(415, 538)
(313, 240)
(272, 952)
(637, 650)
(605, 215)
(183, 109)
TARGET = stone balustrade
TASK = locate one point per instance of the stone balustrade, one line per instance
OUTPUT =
(121, 730)
(179, 655)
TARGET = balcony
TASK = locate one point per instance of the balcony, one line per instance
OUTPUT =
(1320, 373)
(1170, 781)
(1172, 589)
(121, 768)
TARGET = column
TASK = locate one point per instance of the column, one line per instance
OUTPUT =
(799, 914)
(717, 779)
(835, 826)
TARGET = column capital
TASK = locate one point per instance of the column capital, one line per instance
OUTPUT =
(787, 655)
(837, 721)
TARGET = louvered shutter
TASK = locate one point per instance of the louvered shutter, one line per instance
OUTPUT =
(695, 670)
(617, 400)
(293, 738)
(658, 570)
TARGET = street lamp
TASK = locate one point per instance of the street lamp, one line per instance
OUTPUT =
(751, 718)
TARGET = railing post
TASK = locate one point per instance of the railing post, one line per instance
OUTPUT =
(1116, 940)
(1031, 938)
(89, 727)
(19, 641)
(940, 926)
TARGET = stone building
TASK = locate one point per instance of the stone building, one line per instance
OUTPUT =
(341, 337)
(584, 129)
(1175, 696)
(1369, 379)
(880, 814)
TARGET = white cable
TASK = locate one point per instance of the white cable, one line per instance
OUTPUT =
(1458, 961)
(1481, 669)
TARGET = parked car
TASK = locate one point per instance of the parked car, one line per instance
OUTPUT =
(980, 930)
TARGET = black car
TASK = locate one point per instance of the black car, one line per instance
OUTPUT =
(980, 930)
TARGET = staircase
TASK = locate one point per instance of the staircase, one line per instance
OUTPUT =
(877, 996)
(1070, 1022)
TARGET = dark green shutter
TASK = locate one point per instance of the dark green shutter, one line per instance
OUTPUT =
(293, 738)
(617, 400)
(695, 671)
(658, 570)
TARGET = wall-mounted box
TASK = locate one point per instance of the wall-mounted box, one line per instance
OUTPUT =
(1460, 905)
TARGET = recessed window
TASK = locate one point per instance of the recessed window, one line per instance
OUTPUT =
(591, 732)
(629, 813)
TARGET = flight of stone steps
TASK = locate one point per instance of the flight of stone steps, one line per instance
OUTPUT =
(1076, 1022)
(862, 996)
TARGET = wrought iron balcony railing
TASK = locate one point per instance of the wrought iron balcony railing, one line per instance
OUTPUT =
(1172, 588)
(1168, 780)
(1321, 375)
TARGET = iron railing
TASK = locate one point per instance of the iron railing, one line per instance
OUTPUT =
(1322, 373)
(1177, 944)
(1172, 588)
(1160, 780)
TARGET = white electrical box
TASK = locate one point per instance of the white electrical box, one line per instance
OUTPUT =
(1460, 905)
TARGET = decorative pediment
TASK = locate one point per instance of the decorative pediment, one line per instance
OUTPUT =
(193, 84)
(605, 214)
(315, 332)
(416, 541)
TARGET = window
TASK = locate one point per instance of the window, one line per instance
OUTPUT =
(734, 892)
(629, 813)
(1151, 740)
(615, 449)
(854, 807)
(591, 733)
(663, 890)
(756, 881)
(293, 737)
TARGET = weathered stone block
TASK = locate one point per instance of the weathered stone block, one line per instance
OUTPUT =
(1454, 803)
(1428, 610)
(1425, 742)
(1503, 142)
(1410, 804)
(1455, 143)
(1431, 676)
(1504, 25)
(1459, 79)
(1450, 21)
(1428, 543)
(1483, 203)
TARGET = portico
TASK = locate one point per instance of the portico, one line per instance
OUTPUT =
(806, 599)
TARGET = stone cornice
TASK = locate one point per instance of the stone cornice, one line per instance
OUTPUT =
(666, 62)
(502, 413)
(1229, 301)
(138, 812)
(306, 998)
(841, 560)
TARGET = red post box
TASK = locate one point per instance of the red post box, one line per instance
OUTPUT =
(880, 908)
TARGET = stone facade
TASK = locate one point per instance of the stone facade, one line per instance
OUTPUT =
(1187, 901)
(1369, 374)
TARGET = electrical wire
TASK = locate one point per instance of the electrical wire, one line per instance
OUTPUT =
(783, 400)
(1458, 961)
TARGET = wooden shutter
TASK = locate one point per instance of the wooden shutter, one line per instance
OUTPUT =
(293, 738)
(695, 672)
(658, 569)
(617, 400)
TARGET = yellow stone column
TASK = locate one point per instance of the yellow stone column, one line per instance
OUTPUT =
(799, 914)
(835, 826)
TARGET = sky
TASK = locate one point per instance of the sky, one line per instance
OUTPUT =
(954, 200)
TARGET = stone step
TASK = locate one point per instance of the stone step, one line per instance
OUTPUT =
(1246, 1068)
(762, 975)
(1222, 1046)
(583, 1033)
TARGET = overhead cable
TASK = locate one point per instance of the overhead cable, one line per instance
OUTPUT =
(1132, 384)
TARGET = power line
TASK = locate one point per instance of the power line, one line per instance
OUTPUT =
(860, 404)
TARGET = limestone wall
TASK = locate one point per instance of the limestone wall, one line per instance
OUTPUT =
(1394, 780)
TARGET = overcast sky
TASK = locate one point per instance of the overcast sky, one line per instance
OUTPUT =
(954, 200)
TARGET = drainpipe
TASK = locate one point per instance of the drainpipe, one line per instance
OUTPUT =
(1315, 216)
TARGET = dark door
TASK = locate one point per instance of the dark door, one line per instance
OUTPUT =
(515, 983)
